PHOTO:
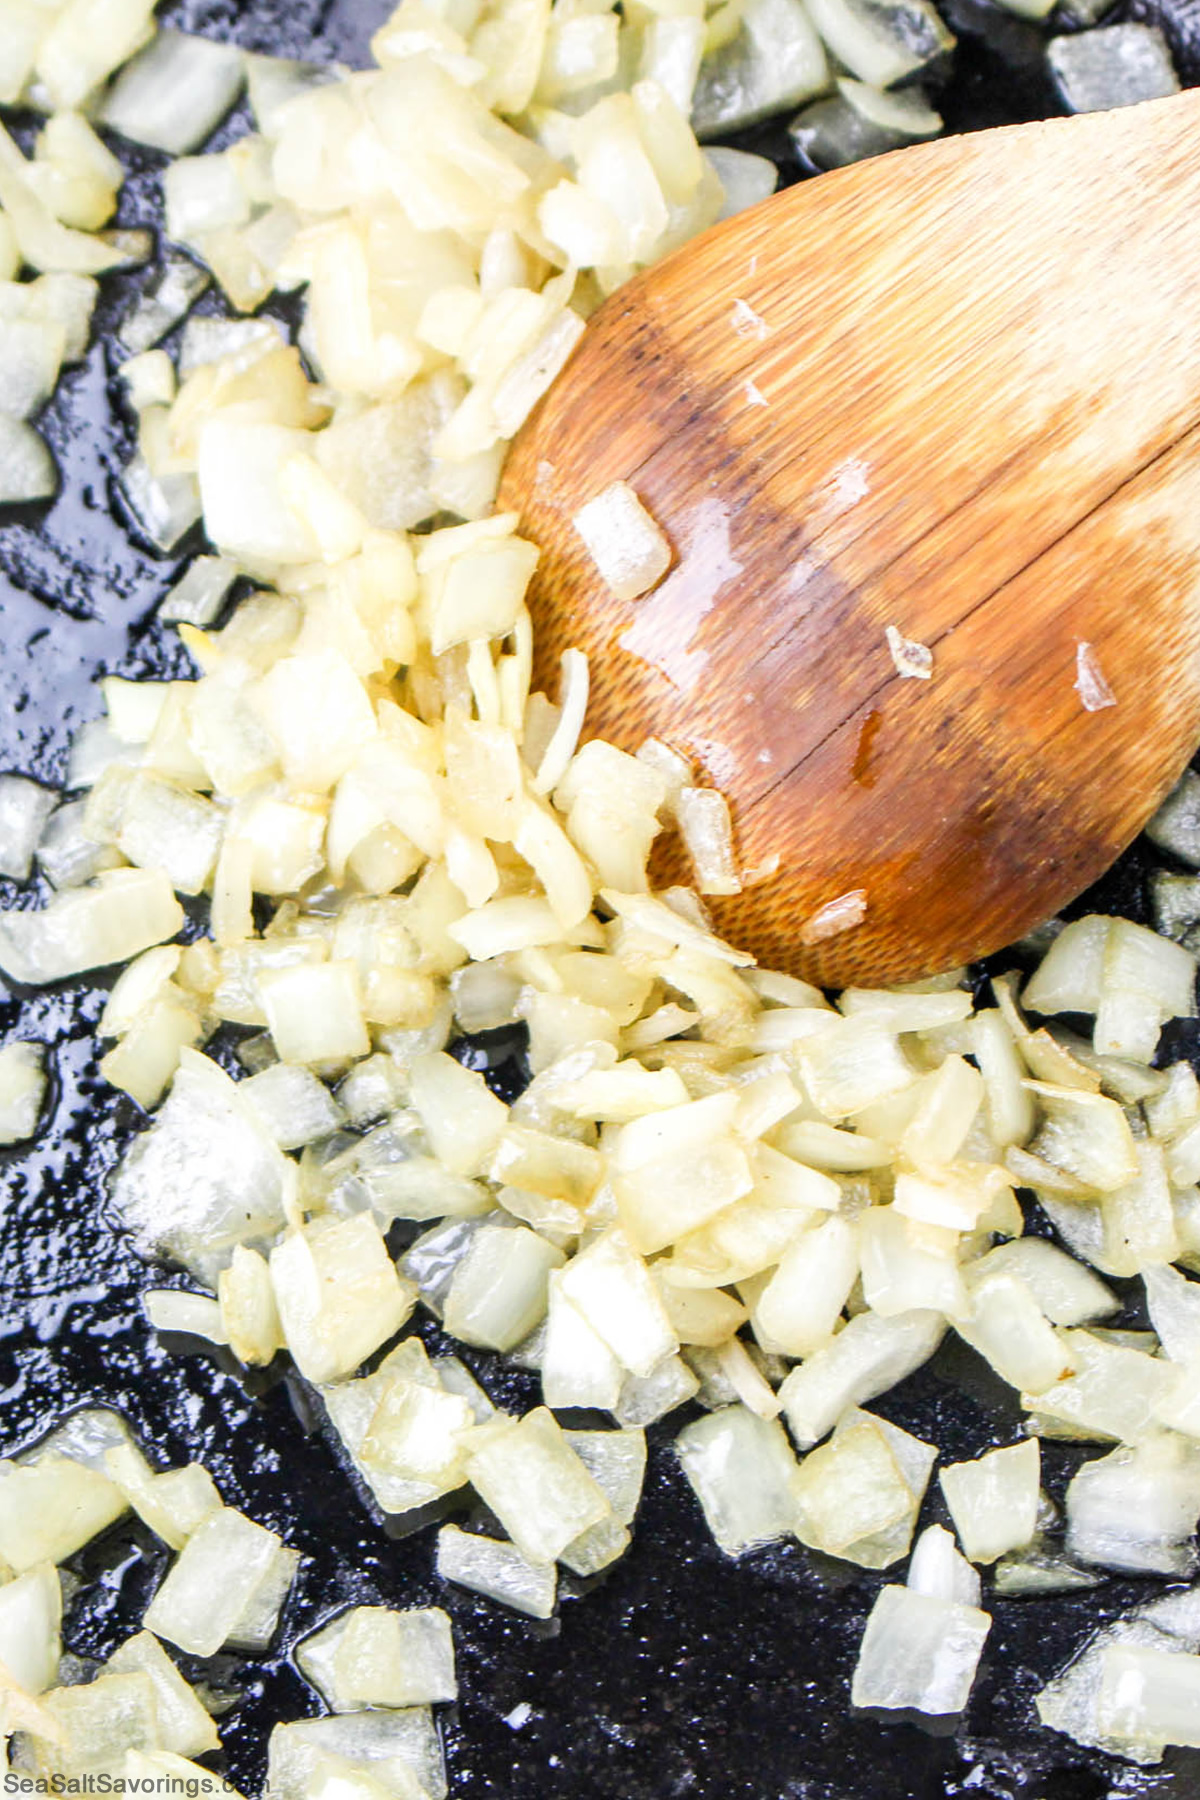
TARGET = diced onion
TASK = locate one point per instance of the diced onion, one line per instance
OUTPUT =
(919, 1653)
(175, 93)
(498, 1570)
(27, 470)
(625, 542)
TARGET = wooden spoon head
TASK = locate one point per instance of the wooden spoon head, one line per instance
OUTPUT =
(954, 391)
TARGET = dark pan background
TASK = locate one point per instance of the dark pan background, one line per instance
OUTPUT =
(681, 1675)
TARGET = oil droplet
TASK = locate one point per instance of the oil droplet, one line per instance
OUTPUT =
(668, 621)
(861, 770)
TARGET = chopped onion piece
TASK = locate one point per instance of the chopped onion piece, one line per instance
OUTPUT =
(498, 1292)
(160, 826)
(123, 913)
(497, 1570)
(94, 1725)
(565, 739)
(912, 660)
(215, 1593)
(1174, 1306)
(248, 1311)
(52, 1507)
(536, 1485)
(801, 1305)
(186, 1728)
(867, 1357)
(192, 1315)
(1176, 824)
(293, 1105)
(43, 242)
(937, 1569)
(373, 1753)
(169, 297)
(743, 1473)
(882, 44)
(339, 1295)
(1090, 683)
(1137, 1508)
(1009, 1329)
(31, 355)
(27, 470)
(373, 1656)
(858, 1496)
(611, 1287)
(626, 544)
(175, 93)
(1034, 1572)
(205, 1177)
(643, 1399)
(774, 60)
(23, 1085)
(197, 598)
(1149, 1698)
(165, 508)
(838, 915)
(1066, 1291)
(462, 1118)
(276, 80)
(857, 122)
(30, 1623)
(1112, 1391)
(173, 1504)
(745, 179)
(707, 831)
(919, 1654)
(994, 1500)
(1117, 65)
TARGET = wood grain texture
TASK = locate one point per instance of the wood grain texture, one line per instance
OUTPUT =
(981, 366)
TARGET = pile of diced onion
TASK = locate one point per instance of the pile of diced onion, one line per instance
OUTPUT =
(720, 1189)
(133, 1719)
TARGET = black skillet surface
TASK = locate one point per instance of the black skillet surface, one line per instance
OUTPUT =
(682, 1674)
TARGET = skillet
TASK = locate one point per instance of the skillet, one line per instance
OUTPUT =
(682, 1676)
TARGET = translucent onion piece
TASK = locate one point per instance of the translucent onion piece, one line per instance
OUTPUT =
(1117, 65)
(212, 1594)
(400, 1751)
(912, 660)
(185, 1726)
(743, 1473)
(197, 598)
(27, 469)
(937, 1569)
(994, 1500)
(51, 1508)
(858, 1495)
(173, 1504)
(1176, 824)
(168, 299)
(377, 1657)
(626, 545)
(23, 1085)
(867, 1357)
(205, 1177)
(919, 1653)
(536, 1485)
(775, 60)
(338, 1294)
(175, 93)
(97, 1723)
(837, 915)
(1136, 1509)
(30, 1621)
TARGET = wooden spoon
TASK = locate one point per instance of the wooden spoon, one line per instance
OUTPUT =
(955, 390)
